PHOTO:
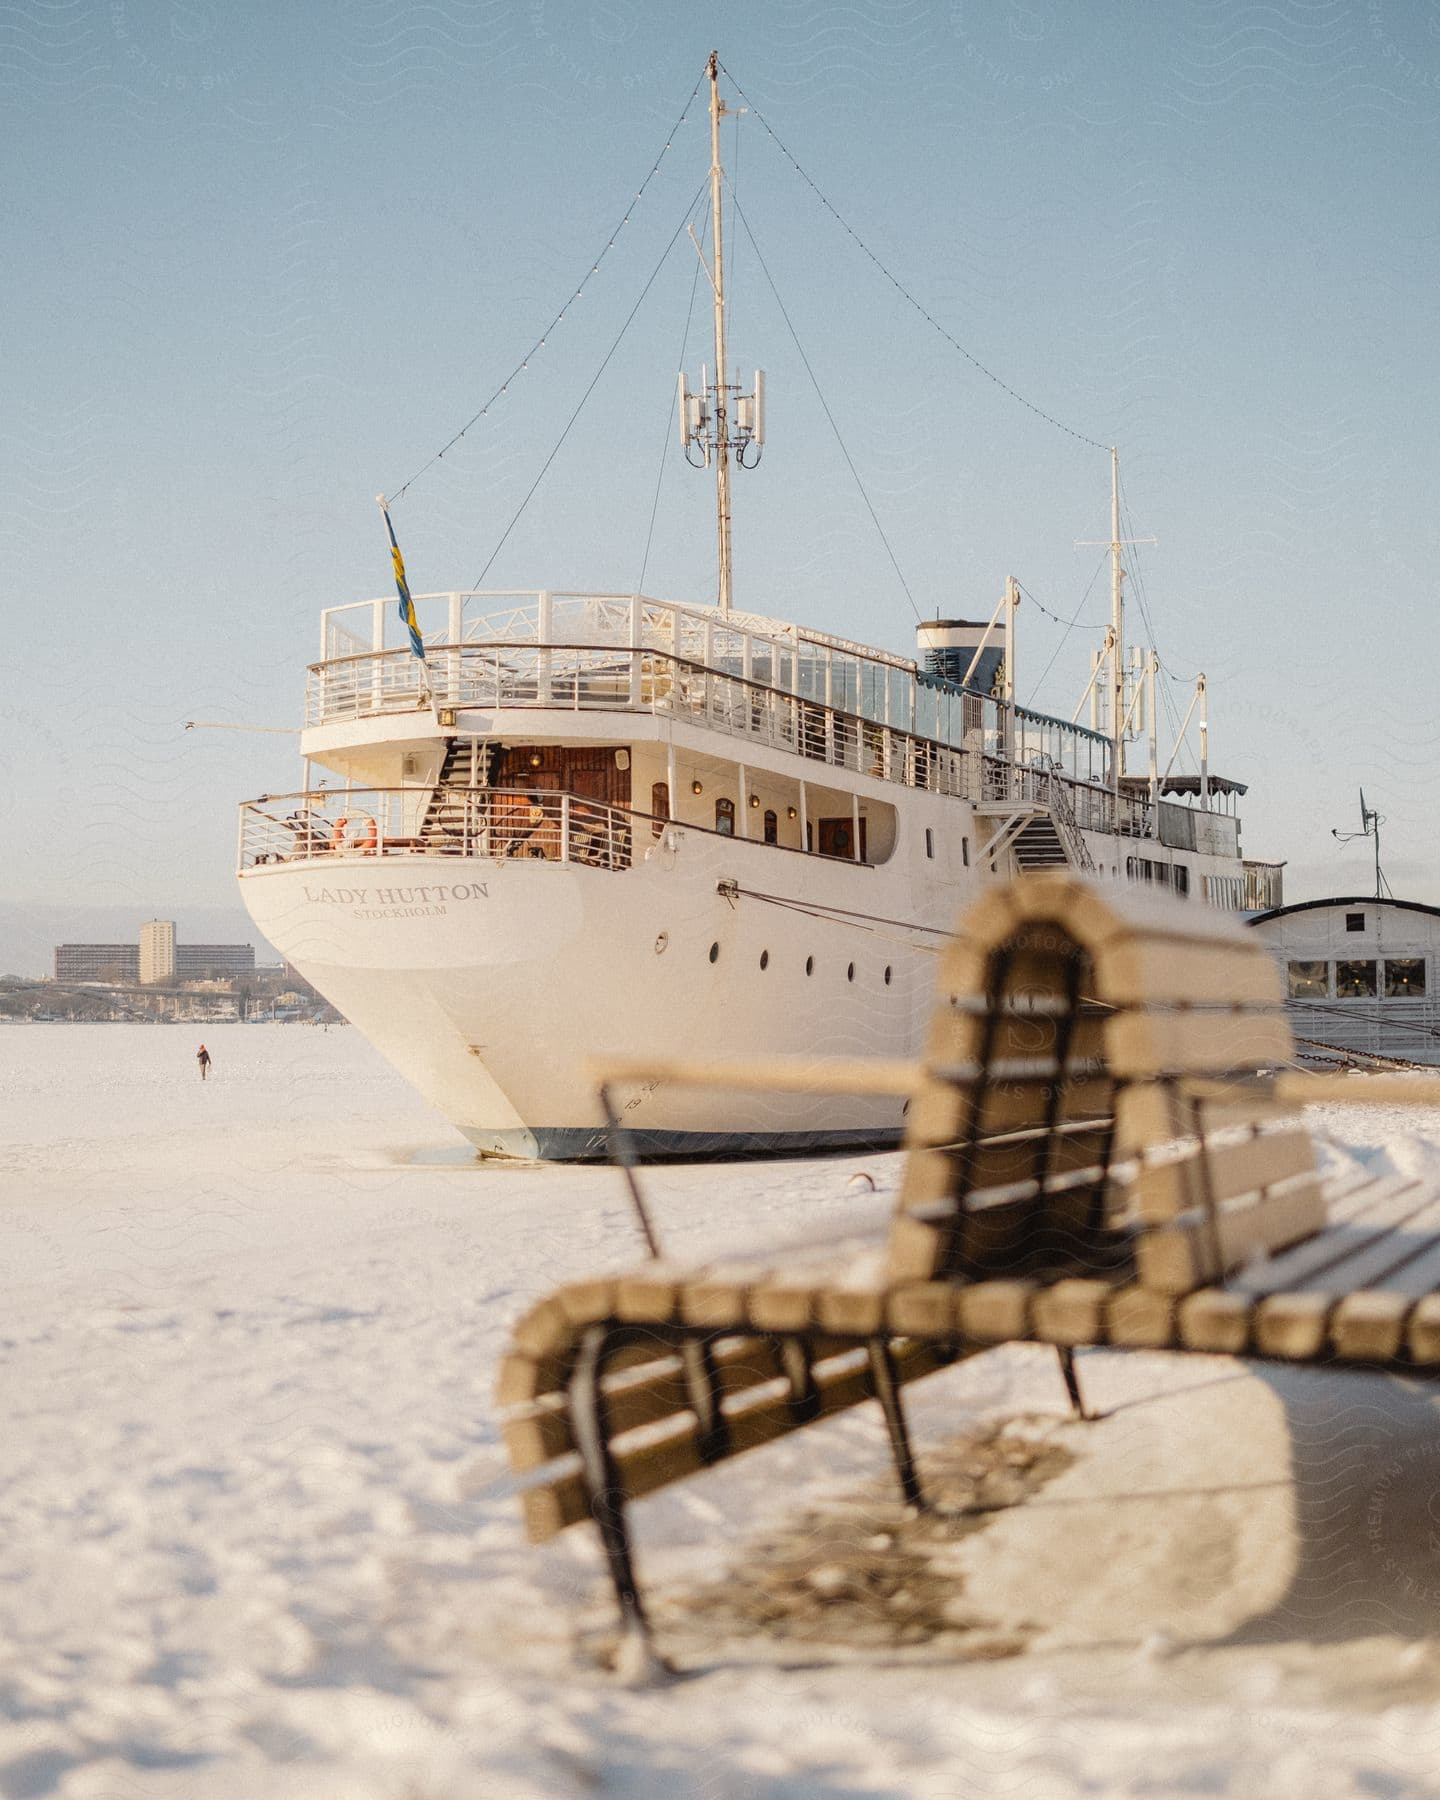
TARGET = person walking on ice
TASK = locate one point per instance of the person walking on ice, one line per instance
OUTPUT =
(202, 1056)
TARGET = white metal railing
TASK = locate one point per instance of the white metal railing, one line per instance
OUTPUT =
(852, 679)
(323, 825)
(1264, 885)
(571, 677)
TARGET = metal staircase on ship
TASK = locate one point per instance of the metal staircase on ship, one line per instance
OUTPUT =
(450, 816)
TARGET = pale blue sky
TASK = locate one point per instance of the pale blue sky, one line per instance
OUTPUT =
(263, 260)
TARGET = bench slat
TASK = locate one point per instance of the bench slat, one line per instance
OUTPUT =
(664, 1456)
(1163, 1189)
(1194, 1249)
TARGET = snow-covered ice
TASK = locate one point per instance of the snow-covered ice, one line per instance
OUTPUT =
(257, 1536)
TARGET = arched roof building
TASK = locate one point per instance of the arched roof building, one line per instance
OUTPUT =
(1363, 976)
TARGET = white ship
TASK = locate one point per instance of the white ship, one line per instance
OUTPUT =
(591, 824)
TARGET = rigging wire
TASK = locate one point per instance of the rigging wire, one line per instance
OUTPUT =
(1069, 627)
(1172, 715)
(900, 287)
(839, 915)
(1040, 606)
(825, 404)
(669, 422)
(594, 382)
(732, 181)
(539, 344)
(1360, 1015)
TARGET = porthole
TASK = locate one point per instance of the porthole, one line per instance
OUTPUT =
(714, 953)
(764, 959)
(850, 972)
(887, 974)
(929, 842)
(662, 943)
(809, 965)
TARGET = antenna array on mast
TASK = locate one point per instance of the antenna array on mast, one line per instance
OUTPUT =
(719, 417)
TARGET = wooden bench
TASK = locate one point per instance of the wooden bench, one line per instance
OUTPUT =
(1099, 1132)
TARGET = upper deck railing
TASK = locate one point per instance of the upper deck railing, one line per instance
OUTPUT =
(504, 677)
(765, 680)
(874, 685)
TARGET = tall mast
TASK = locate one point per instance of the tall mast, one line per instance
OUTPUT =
(1117, 626)
(719, 421)
(722, 391)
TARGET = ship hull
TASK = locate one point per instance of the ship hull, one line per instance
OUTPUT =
(495, 985)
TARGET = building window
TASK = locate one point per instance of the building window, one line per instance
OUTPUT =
(929, 843)
(1404, 977)
(725, 817)
(1308, 980)
(772, 828)
(1354, 981)
(659, 806)
(1354, 921)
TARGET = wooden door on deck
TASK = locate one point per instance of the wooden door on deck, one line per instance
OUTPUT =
(526, 818)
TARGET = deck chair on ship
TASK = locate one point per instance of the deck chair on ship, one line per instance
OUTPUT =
(1093, 1133)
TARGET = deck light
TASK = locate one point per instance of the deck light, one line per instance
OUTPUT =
(696, 788)
(790, 813)
(754, 799)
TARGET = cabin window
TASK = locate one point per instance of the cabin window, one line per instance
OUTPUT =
(772, 828)
(1182, 879)
(725, 817)
(850, 972)
(1354, 921)
(659, 806)
(887, 974)
(1404, 977)
(1308, 980)
(714, 953)
(1354, 980)
(764, 960)
(929, 843)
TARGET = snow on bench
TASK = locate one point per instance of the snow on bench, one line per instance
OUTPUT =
(1103, 1149)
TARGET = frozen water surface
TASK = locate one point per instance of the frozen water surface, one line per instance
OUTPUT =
(257, 1538)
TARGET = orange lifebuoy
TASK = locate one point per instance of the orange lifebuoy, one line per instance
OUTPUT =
(337, 836)
(368, 839)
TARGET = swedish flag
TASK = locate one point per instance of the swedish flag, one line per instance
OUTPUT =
(402, 587)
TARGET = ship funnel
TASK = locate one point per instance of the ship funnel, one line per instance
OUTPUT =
(948, 647)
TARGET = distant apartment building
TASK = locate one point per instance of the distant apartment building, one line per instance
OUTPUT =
(156, 961)
(97, 962)
(213, 962)
(157, 953)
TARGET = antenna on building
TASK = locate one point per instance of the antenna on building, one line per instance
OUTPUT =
(720, 418)
(1370, 823)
